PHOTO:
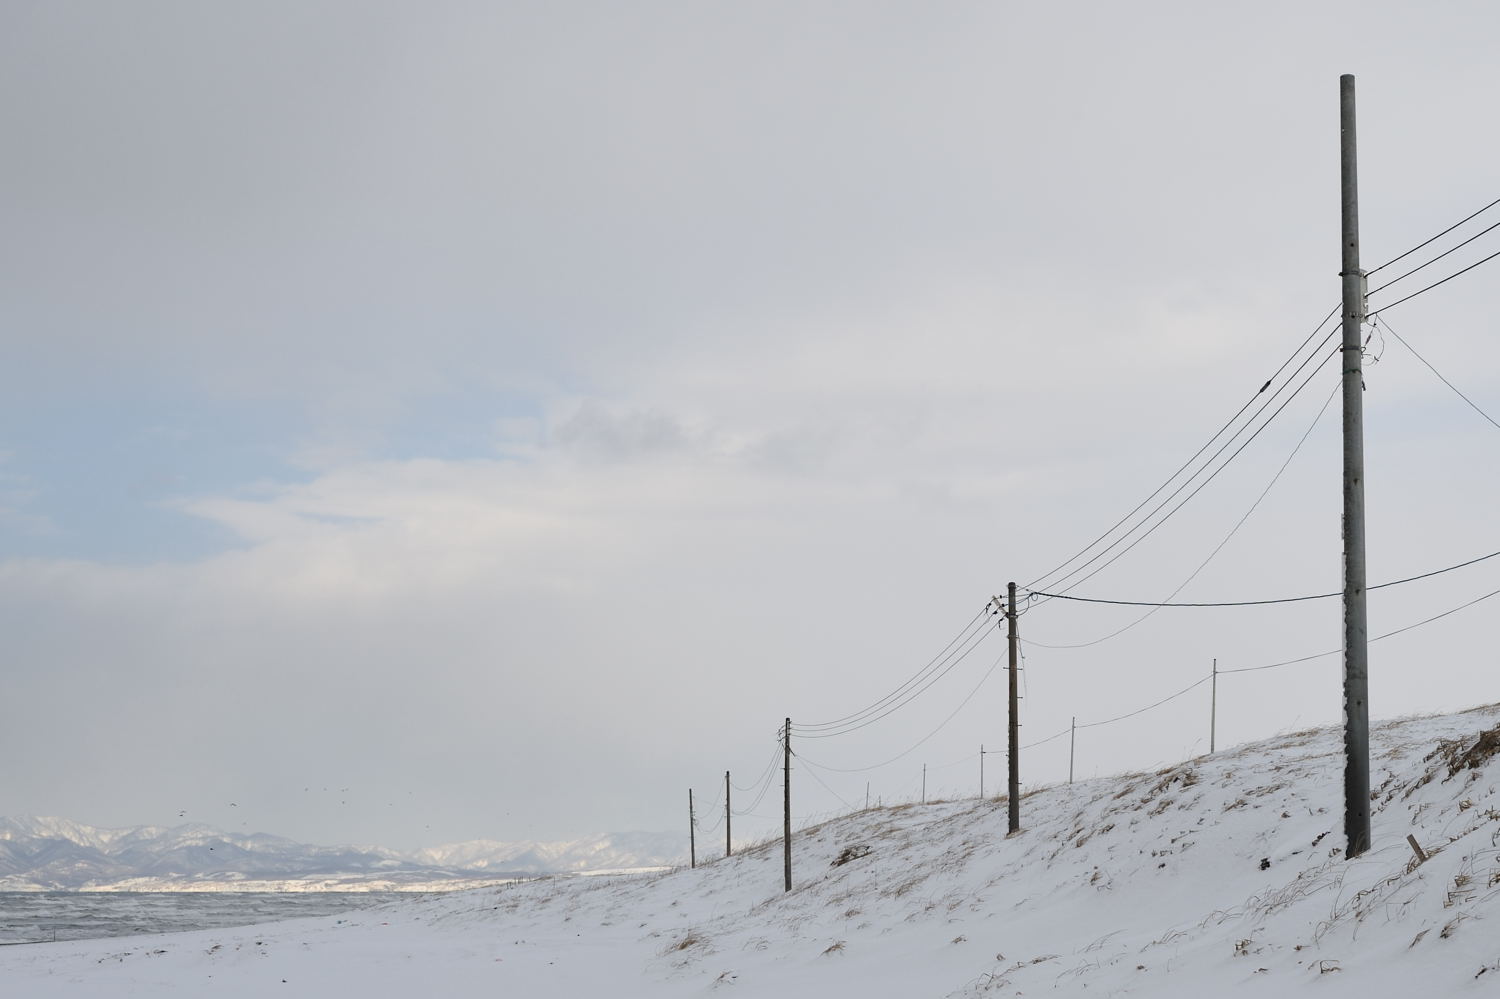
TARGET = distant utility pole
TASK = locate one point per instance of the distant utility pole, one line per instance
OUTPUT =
(728, 815)
(1072, 744)
(1013, 636)
(924, 783)
(786, 793)
(981, 771)
(1356, 635)
(692, 833)
(1213, 707)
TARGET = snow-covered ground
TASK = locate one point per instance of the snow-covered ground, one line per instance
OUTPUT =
(1224, 874)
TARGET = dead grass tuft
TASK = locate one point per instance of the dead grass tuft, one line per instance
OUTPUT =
(849, 853)
(1486, 746)
(688, 942)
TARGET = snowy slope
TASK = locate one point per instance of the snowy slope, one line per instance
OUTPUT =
(1221, 875)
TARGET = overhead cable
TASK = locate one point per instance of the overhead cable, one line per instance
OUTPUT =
(1217, 548)
(1043, 742)
(1389, 634)
(1472, 404)
(1185, 465)
(1262, 603)
(1156, 704)
(1450, 277)
(761, 779)
(1322, 359)
(981, 618)
(920, 742)
(760, 795)
(809, 732)
(814, 775)
(1440, 256)
(1434, 239)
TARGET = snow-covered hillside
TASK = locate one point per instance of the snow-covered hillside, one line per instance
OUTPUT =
(1222, 875)
(39, 853)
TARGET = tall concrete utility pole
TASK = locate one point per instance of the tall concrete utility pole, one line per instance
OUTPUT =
(728, 815)
(1013, 637)
(692, 833)
(1356, 635)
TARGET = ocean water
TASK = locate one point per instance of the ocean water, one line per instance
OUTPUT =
(38, 916)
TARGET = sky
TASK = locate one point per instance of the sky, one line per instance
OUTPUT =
(428, 422)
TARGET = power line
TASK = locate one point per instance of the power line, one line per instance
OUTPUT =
(935, 663)
(1450, 277)
(1445, 381)
(814, 775)
(946, 766)
(1218, 548)
(1213, 475)
(1157, 704)
(1185, 465)
(761, 779)
(920, 742)
(1043, 742)
(1434, 239)
(717, 798)
(765, 785)
(1290, 662)
(1389, 634)
(977, 638)
(719, 821)
(1440, 256)
(1262, 603)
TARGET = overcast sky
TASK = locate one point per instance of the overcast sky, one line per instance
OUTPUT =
(422, 422)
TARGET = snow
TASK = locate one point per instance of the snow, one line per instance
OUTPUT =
(1221, 875)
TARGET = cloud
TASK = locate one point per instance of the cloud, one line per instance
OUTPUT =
(557, 396)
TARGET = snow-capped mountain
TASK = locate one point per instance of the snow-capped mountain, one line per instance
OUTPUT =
(39, 853)
(606, 851)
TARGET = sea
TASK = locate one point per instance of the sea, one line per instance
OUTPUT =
(35, 917)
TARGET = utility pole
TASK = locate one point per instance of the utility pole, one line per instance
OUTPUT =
(924, 783)
(1072, 743)
(692, 833)
(728, 815)
(786, 794)
(1013, 637)
(1356, 636)
(981, 771)
(1213, 707)
(867, 796)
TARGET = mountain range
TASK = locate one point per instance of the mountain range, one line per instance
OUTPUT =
(56, 854)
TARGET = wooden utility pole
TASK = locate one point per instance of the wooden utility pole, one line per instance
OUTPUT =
(786, 802)
(692, 833)
(1356, 636)
(728, 815)
(1013, 636)
(1213, 707)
